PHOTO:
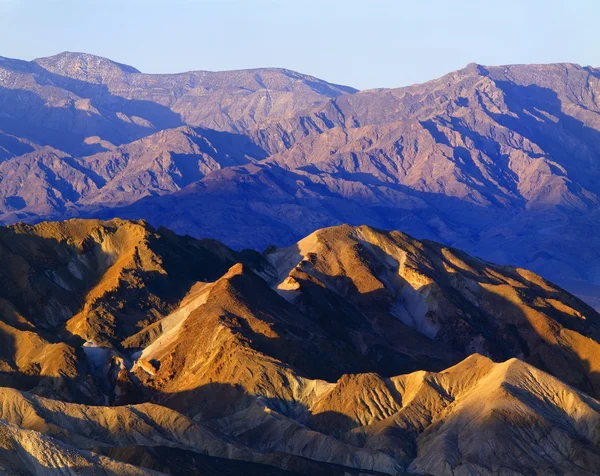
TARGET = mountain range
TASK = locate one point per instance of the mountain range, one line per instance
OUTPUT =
(499, 161)
(133, 350)
(198, 274)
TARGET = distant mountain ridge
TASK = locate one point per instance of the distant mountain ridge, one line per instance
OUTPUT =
(502, 161)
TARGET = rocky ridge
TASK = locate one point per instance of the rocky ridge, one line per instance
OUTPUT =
(354, 351)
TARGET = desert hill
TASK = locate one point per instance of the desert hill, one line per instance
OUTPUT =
(467, 303)
(133, 350)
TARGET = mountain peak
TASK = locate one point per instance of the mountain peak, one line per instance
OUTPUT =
(83, 66)
(476, 68)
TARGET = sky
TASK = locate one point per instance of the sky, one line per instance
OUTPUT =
(365, 44)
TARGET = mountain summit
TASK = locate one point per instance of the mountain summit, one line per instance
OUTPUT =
(83, 66)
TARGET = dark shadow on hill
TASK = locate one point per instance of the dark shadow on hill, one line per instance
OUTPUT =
(533, 104)
(227, 408)
(19, 120)
(176, 461)
(236, 146)
(505, 183)
(12, 146)
(255, 206)
(532, 336)
(43, 288)
(160, 116)
(16, 65)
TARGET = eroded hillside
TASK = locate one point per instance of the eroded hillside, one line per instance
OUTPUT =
(133, 350)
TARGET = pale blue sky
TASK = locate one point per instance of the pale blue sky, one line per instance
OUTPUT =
(361, 43)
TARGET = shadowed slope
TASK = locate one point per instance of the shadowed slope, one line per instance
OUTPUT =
(467, 303)
(76, 281)
(247, 336)
(326, 357)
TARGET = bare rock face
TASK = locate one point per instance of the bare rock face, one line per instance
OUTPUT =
(131, 350)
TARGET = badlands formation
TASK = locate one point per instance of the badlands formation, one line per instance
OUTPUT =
(133, 350)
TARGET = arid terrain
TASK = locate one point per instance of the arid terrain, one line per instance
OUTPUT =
(199, 272)
(132, 350)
